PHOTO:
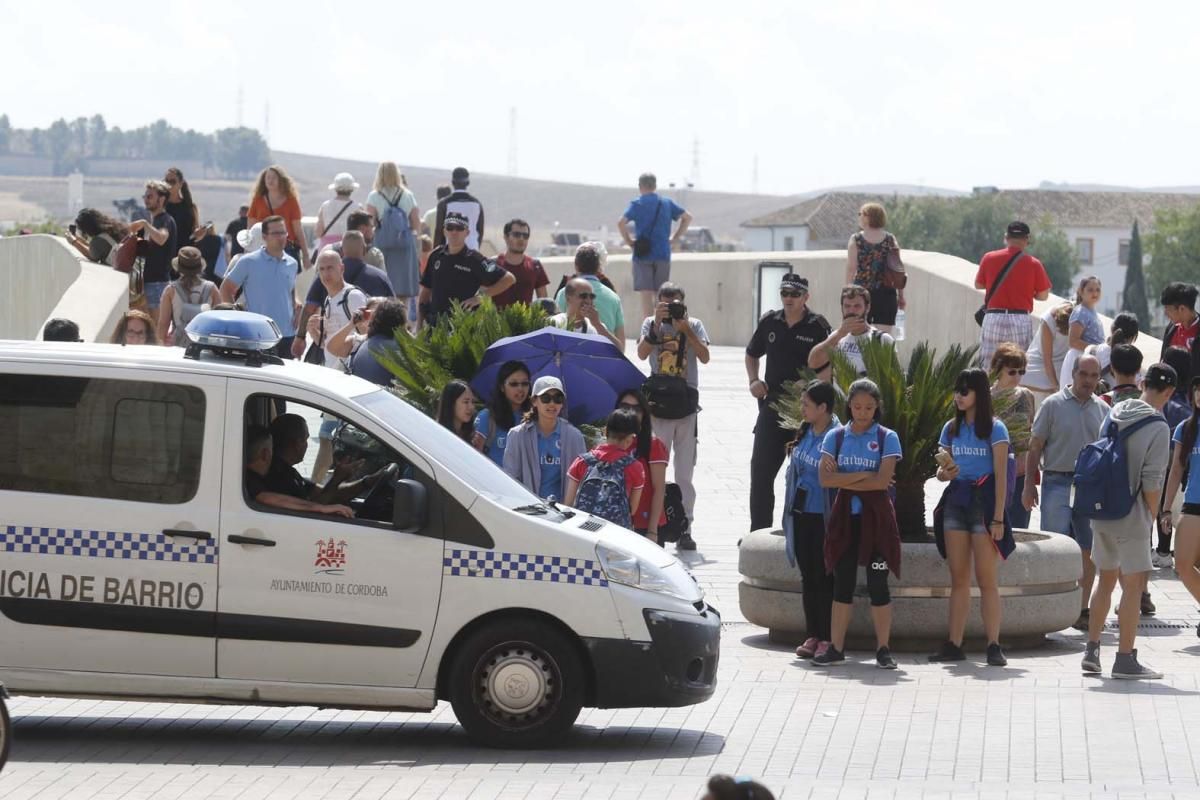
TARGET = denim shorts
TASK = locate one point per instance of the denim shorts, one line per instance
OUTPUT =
(1057, 514)
(966, 518)
(154, 292)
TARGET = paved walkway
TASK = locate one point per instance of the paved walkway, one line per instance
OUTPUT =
(1036, 729)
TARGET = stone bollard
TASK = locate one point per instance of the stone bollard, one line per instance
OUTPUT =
(1039, 592)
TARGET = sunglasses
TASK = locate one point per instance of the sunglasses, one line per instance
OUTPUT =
(1016, 372)
(962, 391)
(519, 234)
(517, 384)
(456, 227)
(555, 398)
(630, 406)
(791, 293)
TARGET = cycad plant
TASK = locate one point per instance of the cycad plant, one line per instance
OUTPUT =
(453, 348)
(917, 402)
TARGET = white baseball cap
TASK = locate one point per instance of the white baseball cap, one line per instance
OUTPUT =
(343, 182)
(547, 383)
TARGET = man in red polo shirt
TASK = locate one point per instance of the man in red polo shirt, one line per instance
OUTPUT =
(531, 276)
(1009, 307)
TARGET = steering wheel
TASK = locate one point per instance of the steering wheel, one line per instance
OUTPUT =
(385, 483)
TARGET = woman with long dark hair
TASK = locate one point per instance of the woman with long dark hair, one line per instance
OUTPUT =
(652, 452)
(181, 206)
(974, 460)
(858, 459)
(804, 516)
(1186, 460)
(510, 401)
(101, 235)
(456, 409)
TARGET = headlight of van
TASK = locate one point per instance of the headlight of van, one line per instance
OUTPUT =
(621, 566)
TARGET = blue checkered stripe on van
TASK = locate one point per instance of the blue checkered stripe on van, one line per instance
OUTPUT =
(522, 567)
(105, 544)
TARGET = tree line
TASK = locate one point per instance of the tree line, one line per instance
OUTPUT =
(71, 144)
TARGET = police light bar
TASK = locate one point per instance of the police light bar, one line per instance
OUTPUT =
(234, 333)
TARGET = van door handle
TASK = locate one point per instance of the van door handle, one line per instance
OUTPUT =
(235, 538)
(201, 535)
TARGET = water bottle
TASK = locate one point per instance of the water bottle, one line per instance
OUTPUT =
(898, 329)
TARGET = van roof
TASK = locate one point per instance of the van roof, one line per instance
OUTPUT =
(171, 359)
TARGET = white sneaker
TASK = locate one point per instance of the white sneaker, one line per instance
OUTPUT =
(1161, 560)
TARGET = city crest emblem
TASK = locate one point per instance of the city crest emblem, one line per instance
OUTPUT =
(331, 556)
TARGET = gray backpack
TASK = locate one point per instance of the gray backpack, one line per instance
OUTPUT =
(187, 304)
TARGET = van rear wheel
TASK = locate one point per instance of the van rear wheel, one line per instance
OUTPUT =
(517, 684)
(5, 733)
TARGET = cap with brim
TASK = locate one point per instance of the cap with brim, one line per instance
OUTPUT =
(547, 383)
(455, 218)
(251, 238)
(188, 260)
(793, 281)
(1162, 373)
(1018, 229)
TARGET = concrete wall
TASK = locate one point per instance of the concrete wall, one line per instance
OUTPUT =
(722, 290)
(42, 277)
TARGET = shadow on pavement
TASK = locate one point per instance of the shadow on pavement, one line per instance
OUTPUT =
(329, 743)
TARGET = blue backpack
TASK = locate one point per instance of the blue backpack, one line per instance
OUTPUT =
(393, 229)
(1101, 482)
(602, 490)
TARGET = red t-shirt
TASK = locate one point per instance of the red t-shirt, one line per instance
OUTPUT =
(530, 276)
(1182, 337)
(1026, 279)
(658, 455)
(635, 473)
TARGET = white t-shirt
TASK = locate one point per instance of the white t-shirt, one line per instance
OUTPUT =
(1035, 366)
(851, 346)
(337, 311)
(560, 321)
(330, 209)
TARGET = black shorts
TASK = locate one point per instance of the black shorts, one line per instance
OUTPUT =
(883, 306)
(1191, 509)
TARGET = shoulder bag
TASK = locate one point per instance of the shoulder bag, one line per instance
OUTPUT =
(894, 276)
(642, 245)
(670, 396)
(982, 311)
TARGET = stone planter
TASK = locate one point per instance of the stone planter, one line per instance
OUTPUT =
(1038, 589)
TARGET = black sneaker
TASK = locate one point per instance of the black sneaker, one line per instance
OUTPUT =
(883, 659)
(1148, 607)
(686, 542)
(949, 652)
(829, 657)
(995, 656)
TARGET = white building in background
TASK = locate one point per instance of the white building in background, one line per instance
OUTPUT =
(1097, 224)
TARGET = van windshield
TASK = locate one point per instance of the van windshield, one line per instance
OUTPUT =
(471, 467)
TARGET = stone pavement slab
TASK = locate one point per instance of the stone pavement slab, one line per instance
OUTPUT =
(1038, 729)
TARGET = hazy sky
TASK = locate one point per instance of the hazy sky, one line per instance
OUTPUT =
(834, 93)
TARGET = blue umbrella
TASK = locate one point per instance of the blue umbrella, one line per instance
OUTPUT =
(591, 368)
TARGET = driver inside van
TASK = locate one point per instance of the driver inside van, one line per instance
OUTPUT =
(259, 487)
(289, 435)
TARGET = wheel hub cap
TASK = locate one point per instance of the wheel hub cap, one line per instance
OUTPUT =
(516, 683)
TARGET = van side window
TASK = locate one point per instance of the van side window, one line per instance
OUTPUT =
(306, 460)
(95, 437)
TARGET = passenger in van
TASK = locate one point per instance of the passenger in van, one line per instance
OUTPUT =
(289, 434)
(259, 452)
(544, 445)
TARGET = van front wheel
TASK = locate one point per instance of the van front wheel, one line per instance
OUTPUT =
(516, 684)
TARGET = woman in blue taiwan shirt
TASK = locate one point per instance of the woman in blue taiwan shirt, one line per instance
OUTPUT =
(971, 515)
(510, 402)
(804, 515)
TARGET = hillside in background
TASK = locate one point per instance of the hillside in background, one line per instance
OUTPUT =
(31, 197)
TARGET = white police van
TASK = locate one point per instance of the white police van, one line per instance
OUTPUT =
(134, 565)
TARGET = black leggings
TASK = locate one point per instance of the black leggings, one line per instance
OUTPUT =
(818, 584)
(845, 572)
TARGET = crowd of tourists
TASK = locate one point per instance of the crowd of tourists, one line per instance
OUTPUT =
(1076, 395)
(1058, 379)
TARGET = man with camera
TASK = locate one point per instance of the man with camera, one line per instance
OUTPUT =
(675, 343)
(854, 330)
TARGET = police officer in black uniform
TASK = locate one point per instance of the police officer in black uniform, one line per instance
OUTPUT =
(785, 337)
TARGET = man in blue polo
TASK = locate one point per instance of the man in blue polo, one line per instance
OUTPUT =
(266, 282)
(651, 216)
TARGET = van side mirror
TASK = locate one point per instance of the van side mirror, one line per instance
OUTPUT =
(410, 506)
